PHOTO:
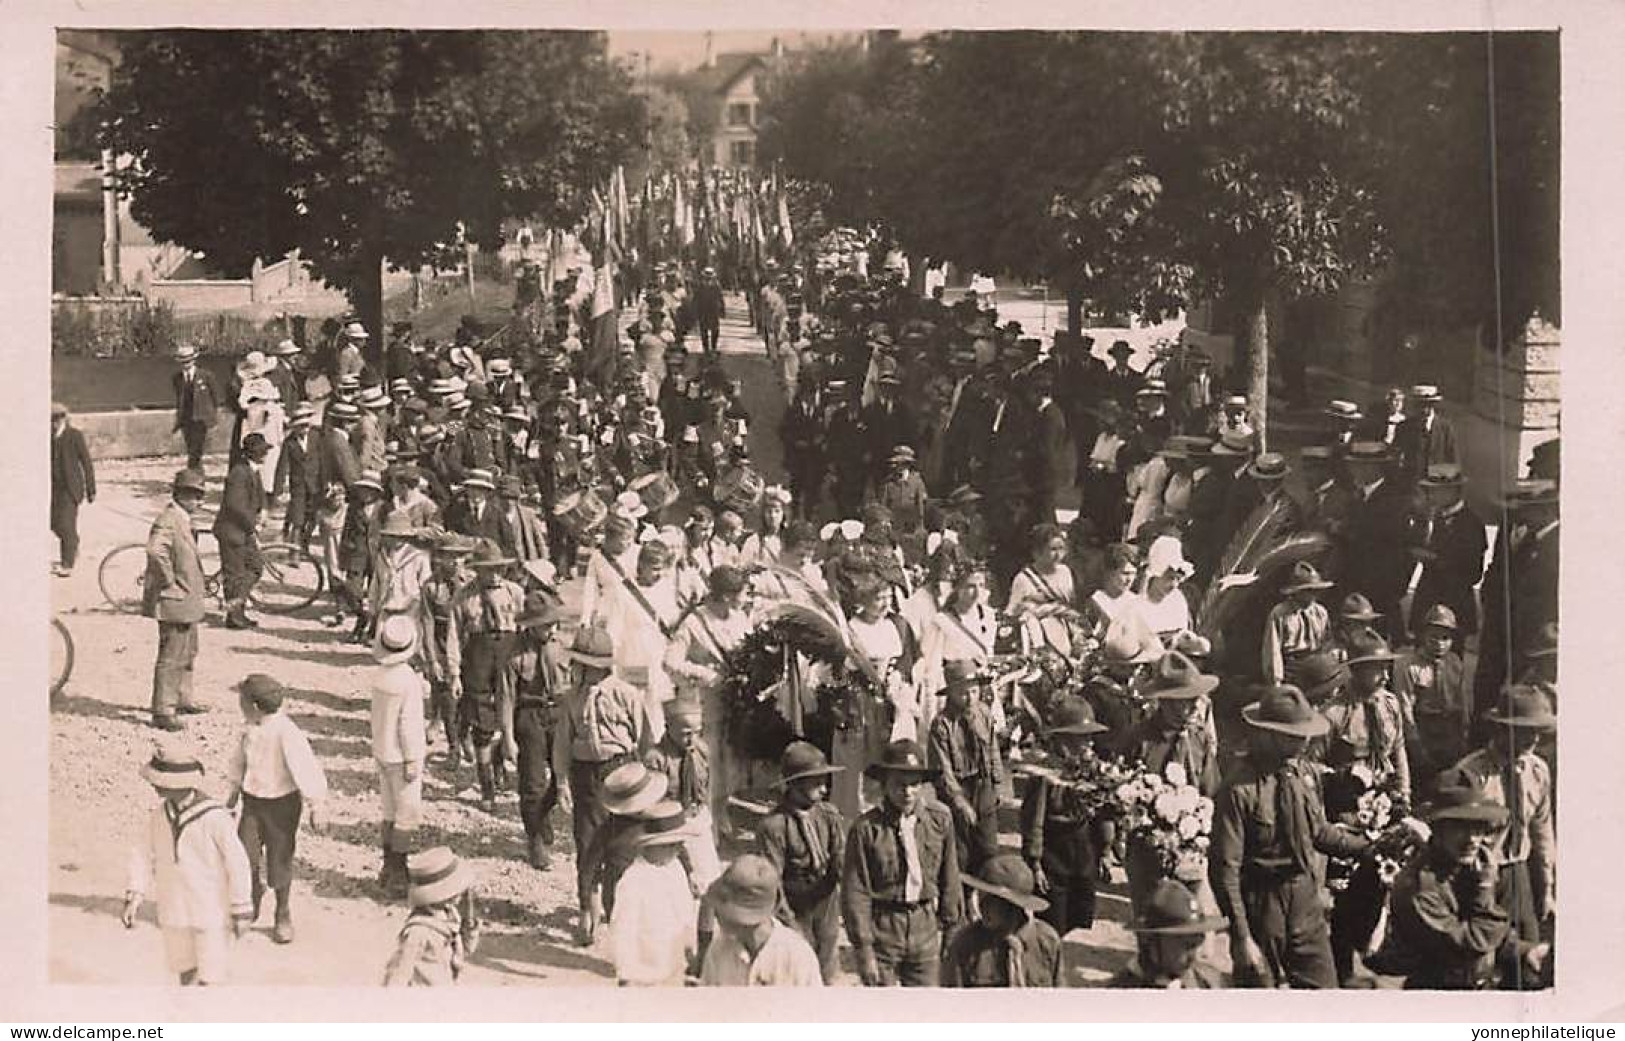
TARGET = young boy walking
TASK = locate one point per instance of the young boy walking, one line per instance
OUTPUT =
(399, 744)
(805, 840)
(275, 775)
(652, 927)
(191, 853)
(443, 927)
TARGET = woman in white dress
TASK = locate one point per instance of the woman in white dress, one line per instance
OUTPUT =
(263, 412)
(702, 552)
(798, 557)
(1162, 604)
(945, 560)
(614, 561)
(1145, 484)
(883, 639)
(962, 630)
(1043, 595)
(642, 619)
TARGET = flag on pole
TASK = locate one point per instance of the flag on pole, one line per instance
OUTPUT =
(784, 222)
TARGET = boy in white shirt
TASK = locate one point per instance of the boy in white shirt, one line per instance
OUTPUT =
(653, 927)
(274, 773)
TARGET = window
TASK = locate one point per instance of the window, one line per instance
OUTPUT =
(741, 153)
(739, 114)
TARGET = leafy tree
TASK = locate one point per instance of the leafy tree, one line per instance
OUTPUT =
(355, 147)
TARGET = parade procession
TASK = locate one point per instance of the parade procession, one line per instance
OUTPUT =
(752, 598)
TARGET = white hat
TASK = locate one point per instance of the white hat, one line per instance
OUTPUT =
(630, 505)
(356, 331)
(285, 348)
(397, 640)
(1167, 554)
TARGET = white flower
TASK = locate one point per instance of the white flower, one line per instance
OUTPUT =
(1175, 772)
(1189, 798)
(1167, 805)
(1189, 828)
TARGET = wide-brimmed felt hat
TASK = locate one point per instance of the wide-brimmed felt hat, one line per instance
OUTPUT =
(1008, 878)
(1284, 709)
(802, 759)
(1524, 705)
(397, 640)
(1367, 645)
(1172, 910)
(1268, 466)
(399, 525)
(1356, 608)
(172, 767)
(1459, 795)
(593, 646)
(370, 479)
(1440, 617)
(188, 480)
(489, 555)
(1303, 576)
(631, 789)
(747, 893)
(1319, 673)
(435, 876)
(1344, 410)
(1176, 678)
(901, 757)
(664, 824)
(1535, 492)
(1120, 348)
(539, 610)
(1074, 715)
(1368, 452)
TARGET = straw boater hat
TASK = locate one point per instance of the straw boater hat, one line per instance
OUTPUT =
(901, 757)
(1526, 706)
(1007, 877)
(344, 411)
(1303, 576)
(1443, 475)
(436, 876)
(747, 893)
(803, 759)
(631, 789)
(478, 477)
(1172, 910)
(1235, 401)
(1152, 388)
(1367, 646)
(185, 353)
(397, 640)
(1233, 442)
(1268, 466)
(664, 824)
(1074, 715)
(1425, 393)
(499, 367)
(304, 415)
(593, 647)
(1526, 493)
(1373, 452)
(1347, 411)
(1176, 678)
(172, 768)
(1460, 796)
(1283, 709)
(370, 479)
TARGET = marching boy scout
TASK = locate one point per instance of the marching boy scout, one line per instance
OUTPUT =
(965, 752)
(901, 887)
(805, 839)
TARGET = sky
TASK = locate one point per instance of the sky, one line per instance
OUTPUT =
(685, 50)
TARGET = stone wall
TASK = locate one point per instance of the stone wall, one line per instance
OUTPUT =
(1518, 392)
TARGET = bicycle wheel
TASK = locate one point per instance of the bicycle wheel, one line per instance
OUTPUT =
(61, 656)
(122, 576)
(292, 579)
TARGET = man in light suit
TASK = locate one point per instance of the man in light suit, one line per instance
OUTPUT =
(173, 595)
(73, 480)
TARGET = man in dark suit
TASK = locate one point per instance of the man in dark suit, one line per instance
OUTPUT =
(299, 469)
(1425, 438)
(1450, 543)
(197, 400)
(1520, 589)
(887, 423)
(708, 309)
(73, 480)
(473, 513)
(401, 360)
(1055, 459)
(1376, 559)
(1122, 380)
(236, 530)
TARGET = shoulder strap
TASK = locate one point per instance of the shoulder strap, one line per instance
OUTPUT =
(714, 645)
(974, 638)
(1039, 581)
(643, 602)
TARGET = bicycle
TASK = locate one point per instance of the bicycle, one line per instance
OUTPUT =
(292, 579)
(61, 656)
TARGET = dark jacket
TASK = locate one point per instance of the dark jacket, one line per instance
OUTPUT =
(1457, 544)
(979, 957)
(72, 473)
(876, 870)
(196, 400)
(240, 504)
(707, 302)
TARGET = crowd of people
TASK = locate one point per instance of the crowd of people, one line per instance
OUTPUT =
(1256, 638)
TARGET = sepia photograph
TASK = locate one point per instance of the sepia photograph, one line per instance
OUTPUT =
(924, 508)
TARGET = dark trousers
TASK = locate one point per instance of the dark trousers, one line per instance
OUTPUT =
(587, 816)
(710, 333)
(820, 925)
(978, 839)
(65, 525)
(194, 434)
(300, 521)
(538, 788)
(240, 564)
(908, 947)
(1514, 892)
(1289, 923)
(268, 830)
(172, 673)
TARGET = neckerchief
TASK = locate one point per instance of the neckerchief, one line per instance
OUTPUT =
(816, 852)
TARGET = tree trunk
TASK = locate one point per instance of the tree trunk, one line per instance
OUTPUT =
(366, 294)
(1256, 343)
(1074, 309)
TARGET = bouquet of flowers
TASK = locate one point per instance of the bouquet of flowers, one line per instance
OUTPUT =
(1370, 806)
(753, 678)
(1091, 780)
(1166, 811)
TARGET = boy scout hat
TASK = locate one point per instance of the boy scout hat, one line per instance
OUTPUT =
(540, 609)
(747, 893)
(803, 759)
(1356, 608)
(1176, 678)
(1073, 715)
(1303, 577)
(902, 757)
(1440, 617)
(1172, 910)
(1008, 878)
(1524, 705)
(1367, 645)
(1284, 710)
(188, 480)
(1460, 796)
(1320, 673)
(593, 647)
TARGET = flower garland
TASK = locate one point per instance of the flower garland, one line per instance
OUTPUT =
(1360, 800)
(753, 677)
(1165, 811)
